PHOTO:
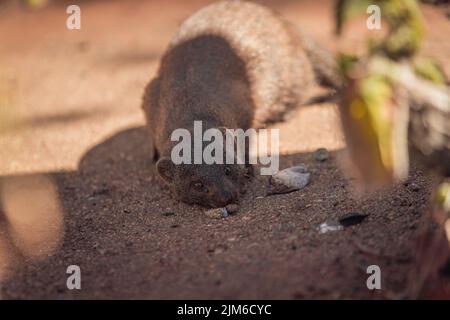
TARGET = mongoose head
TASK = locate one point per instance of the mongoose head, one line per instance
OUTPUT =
(213, 185)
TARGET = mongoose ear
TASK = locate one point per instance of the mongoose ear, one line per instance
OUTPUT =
(166, 169)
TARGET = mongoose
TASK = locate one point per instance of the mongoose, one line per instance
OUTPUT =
(233, 64)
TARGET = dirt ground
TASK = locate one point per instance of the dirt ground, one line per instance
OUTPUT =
(78, 185)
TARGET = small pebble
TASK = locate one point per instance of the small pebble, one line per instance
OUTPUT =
(232, 208)
(321, 154)
(215, 213)
(288, 180)
(344, 222)
(223, 212)
(330, 226)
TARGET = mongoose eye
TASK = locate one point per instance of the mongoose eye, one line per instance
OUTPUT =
(227, 171)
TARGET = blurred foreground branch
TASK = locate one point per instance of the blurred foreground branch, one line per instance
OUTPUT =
(393, 106)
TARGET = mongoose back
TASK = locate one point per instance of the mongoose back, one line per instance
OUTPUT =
(233, 64)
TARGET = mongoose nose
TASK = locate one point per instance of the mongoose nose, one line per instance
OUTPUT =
(226, 197)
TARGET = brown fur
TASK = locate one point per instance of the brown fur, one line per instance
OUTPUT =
(232, 64)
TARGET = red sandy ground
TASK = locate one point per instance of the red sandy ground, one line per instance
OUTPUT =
(76, 127)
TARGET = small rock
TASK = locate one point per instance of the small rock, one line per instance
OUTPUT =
(232, 208)
(288, 180)
(223, 212)
(215, 213)
(330, 226)
(321, 154)
(414, 187)
(344, 222)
